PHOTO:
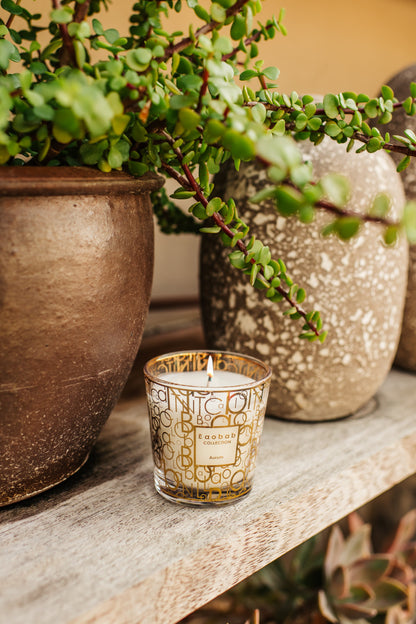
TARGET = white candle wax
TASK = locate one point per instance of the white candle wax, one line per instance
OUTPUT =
(200, 379)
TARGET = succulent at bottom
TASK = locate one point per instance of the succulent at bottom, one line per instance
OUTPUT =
(360, 586)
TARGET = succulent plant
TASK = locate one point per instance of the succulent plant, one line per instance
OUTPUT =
(333, 579)
(358, 583)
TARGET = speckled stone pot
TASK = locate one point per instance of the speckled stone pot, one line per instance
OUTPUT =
(76, 261)
(359, 287)
(406, 352)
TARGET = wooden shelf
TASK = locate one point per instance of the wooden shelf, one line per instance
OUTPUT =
(105, 548)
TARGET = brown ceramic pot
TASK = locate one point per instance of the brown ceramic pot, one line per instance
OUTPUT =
(76, 262)
(359, 286)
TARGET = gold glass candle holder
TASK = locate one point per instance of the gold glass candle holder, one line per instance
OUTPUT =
(205, 427)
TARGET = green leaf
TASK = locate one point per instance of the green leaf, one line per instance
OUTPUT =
(336, 188)
(139, 59)
(8, 52)
(238, 27)
(218, 13)
(331, 105)
(62, 15)
(237, 259)
(390, 235)
(189, 118)
(248, 74)
(332, 129)
(371, 108)
(301, 295)
(272, 73)
(181, 101)
(215, 229)
(380, 206)
(374, 144)
(99, 30)
(288, 200)
(202, 13)
(347, 227)
(310, 110)
(259, 113)
(111, 35)
(314, 123)
(409, 221)
(405, 162)
(301, 121)
(214, 205)
(407, 105)
(191, 82)
(387, 92)
(240, 145)
(11, 7)
(91, 153)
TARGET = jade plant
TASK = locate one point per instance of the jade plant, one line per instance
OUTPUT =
(181, 105)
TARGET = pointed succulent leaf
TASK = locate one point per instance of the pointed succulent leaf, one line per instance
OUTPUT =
(355, 612)
(334, 550)
(407, 525)
(359, 594)
(338, 586)
(370, 569)
(326, 608)
(356, 546)
(388, 593)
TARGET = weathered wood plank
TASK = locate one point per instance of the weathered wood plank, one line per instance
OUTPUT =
(105, 548)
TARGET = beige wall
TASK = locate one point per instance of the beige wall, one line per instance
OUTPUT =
(332, 45)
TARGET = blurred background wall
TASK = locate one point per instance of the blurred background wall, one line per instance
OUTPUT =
(332, 46)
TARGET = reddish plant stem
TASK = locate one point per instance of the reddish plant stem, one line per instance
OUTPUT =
(206, 28)
(11, 16)
(203, 90)
(342, 212)
(391, 147)
(81, 12)
(359, 136)
(254, 37)
(190, 183)
(68, 52)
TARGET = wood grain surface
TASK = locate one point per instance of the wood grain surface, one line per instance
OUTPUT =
(105, 548)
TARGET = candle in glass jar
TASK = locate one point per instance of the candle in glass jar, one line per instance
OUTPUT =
(205, 424)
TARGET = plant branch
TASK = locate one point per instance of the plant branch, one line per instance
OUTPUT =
(254, 37)
(191, 184)
(81, 11)
(11, 16)
(68, 52)
(206, 28)
(391, 147)
(359, 136)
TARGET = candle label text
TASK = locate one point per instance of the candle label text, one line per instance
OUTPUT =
(216, 446)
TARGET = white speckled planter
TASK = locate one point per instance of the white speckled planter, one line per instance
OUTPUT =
(406, 352)
(358, 286)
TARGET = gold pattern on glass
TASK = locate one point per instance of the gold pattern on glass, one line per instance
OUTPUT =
(205, 441)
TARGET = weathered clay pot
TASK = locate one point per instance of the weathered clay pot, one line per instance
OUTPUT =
(406, 352)
(76, 261)
(359, 287)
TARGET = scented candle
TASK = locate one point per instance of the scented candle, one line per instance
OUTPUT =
(205, 423)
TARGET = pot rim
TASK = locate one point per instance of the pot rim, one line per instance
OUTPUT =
(36, 181)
